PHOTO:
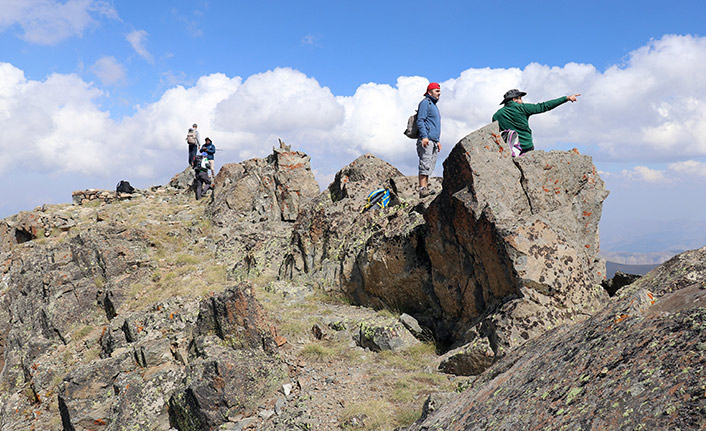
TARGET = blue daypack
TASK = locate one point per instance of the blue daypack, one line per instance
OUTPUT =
(379, 198)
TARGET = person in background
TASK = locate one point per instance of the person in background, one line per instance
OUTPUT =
(210, 151)
(194, 141)
(202, 181)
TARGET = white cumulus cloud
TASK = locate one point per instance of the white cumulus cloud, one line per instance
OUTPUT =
(651, 108)
(109, 70)
(689, 167)
(48, 22)
(643, 173)
(137, 39)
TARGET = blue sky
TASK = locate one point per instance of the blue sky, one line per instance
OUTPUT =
(95, 91)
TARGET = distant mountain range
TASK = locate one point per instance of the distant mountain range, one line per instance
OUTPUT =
(626, 258)
(635, 263)
(612, 267)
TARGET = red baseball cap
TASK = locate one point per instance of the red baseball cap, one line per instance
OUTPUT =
(433, 86)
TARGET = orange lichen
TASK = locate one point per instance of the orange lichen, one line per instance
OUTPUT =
(621, 318)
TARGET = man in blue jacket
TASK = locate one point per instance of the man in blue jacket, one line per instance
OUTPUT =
(210, 151)
(428, 145)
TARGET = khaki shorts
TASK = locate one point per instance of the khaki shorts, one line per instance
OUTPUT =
(427, 157)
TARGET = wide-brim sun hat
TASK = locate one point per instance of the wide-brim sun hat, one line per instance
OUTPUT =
(511, 94)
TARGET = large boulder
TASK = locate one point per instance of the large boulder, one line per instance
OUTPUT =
(270, 189)
(637, 364)
(506, 251)
(253, 207)
(377, 257)
(513, 242)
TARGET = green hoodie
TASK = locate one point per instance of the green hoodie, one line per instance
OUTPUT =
(515, 116)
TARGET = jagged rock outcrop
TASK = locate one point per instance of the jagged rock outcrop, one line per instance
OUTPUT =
(270, 189)
(254, 204)
(75, 357)
(29, 225)
(513, 243)
(619, 280)
(182, 364)
(506, 251)
(640, 363)
(377, 257)
(233, 363)
(52, 298)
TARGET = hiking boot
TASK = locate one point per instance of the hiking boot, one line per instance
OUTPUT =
(424, 192)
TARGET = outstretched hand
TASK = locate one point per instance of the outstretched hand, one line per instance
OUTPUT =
(573, 97)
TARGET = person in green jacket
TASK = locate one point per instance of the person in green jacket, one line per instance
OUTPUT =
(515, 114)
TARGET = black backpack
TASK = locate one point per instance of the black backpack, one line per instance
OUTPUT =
(124, 187)
(199, 164)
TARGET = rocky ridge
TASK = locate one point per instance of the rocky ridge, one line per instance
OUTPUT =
(272, 306)
(637, 364)
(507, 249)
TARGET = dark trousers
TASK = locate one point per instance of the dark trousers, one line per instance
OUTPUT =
(201, 183)
(192, 153)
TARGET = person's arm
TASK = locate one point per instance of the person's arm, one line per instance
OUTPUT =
(538, 108)
(422, 114)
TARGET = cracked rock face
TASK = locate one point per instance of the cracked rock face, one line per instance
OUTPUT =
(71, 362)
(507, 250)
(637, 364)
(270, 189)
(376, 258)
(513, 243)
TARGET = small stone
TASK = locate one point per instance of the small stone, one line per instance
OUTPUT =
(317, 331)
(240, 425)
(266, 414)
(287, 389)
(279, 405)
(411, 324)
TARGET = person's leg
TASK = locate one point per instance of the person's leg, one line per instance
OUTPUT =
(199, 185)
(193, 149)
(427, 160)
(423, 164)
(206, 182)
(526, 151)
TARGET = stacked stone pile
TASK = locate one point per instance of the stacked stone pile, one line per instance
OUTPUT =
(83, 197)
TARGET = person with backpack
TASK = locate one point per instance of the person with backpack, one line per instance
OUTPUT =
(201, 166)
(514, 115)
(210, 151)
(194, 141)
(428, 145)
